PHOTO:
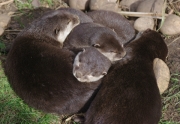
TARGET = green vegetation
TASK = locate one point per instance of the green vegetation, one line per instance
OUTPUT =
(171, 101)
(23, 5)
(14, 111)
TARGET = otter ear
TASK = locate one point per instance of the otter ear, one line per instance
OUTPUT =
(96, 45)
(104, 73)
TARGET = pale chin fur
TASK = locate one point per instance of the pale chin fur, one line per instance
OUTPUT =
(64, 33)
(89, 78)
(111, 56)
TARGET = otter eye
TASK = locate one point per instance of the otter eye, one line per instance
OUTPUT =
(69, 20)
(96, 45)
(104, 73)
(56, 31)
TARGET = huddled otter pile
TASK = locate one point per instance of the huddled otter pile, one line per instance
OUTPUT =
(69, 62)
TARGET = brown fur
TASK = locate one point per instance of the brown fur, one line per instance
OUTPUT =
(129, 93)
(50, 24)
(115, 21)
(40, 72)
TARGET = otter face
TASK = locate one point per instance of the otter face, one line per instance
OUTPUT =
(90, 65)
(57, 24)
(110, 47)
(62, 34)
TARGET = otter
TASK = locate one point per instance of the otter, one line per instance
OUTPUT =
(55, 24)
(129, 93)
(40, 72)
(82, 16)
(115, 21)
(95, 35)
(90, 65)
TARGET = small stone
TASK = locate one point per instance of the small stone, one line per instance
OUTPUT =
(79, 4)
(144, 23)
(162, 74)
(104, 5)
(154, 6)
(36, 3)
(1, 30)
(4, 20)
(171, 25)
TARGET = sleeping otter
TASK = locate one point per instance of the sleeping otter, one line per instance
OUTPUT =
(115, 21)
(129, 93)
(55, 24)
(40, 72)
(90, 65)
(94, 35)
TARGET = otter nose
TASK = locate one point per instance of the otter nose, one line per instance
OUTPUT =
(78, 74)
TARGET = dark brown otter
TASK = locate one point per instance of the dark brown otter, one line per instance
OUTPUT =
(115, 21)
(129, 93)
(40, 72)
(95, 35)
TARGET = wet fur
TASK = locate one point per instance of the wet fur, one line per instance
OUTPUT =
(129, 93)
(115, 21)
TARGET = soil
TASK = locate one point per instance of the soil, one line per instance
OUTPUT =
(23, 18)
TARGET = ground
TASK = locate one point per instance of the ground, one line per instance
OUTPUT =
(12, 108)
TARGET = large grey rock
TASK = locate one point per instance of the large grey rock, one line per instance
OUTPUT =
(104, 5)
(171, 25)
(4, 20)
(162, 74)
(79, 4)
(128, 3)
(143, 23)
(150, 6)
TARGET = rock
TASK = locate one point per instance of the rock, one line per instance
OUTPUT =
(144, 23)
(104, 5)
(79, 4)
(171, 25)
(128, 3)
(1, 30)
(4, 20)
(162, 74)
(36, 3)
(151, 6)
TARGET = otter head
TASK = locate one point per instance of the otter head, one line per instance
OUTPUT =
(57, 24)
(90, 65)
(109, 45)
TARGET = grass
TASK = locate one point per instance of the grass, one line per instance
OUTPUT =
(171, 102)
(14, 111)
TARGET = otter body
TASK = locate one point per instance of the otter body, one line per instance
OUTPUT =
(129, 93)
(90, 65)
(116, 22)
(94, 35)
